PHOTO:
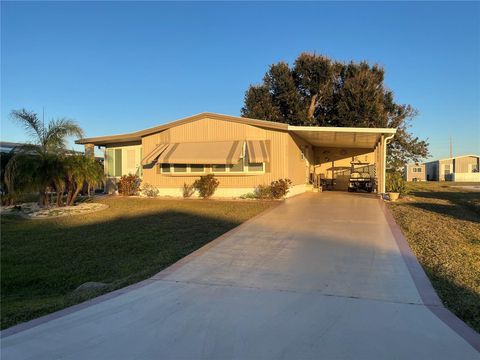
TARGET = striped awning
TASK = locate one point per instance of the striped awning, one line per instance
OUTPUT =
(218, 152)
(154, 154)
(257, 151)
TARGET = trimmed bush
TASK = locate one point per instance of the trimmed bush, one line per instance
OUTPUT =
(149, 190)
(279, 188)
(249, 195)
(263, 192)
(129, 185)
(206, 185)
(188, 190)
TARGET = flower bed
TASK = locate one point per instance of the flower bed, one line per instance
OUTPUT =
(33, 211)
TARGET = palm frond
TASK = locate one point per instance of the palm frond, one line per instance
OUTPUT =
(57, 132)
(30, 121)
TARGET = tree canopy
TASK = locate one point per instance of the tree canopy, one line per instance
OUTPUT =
(318, 91)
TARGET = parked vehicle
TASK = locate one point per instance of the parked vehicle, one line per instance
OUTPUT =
(361, 181)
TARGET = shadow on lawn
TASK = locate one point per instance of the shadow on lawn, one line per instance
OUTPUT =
(43, 261)
(463, 302)
(466, 202)
(455, 211)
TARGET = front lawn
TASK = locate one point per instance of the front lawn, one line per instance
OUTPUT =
(43, 261)
(441, 222)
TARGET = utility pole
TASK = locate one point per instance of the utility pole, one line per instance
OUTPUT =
(451, 152)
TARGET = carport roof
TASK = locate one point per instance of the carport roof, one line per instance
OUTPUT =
(344, 137)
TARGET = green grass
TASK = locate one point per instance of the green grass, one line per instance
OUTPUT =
(43, 261)
(442, 225)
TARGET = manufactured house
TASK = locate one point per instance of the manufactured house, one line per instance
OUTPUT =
(415, 172)
(459, 168)
(242, 153)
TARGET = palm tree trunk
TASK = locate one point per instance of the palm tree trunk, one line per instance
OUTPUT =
(42, 198)
(59, 196)
(74, 196)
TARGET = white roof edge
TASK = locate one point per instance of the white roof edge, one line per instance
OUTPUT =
(342, 129)
(454, 157)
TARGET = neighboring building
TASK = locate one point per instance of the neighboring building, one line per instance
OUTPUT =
(415, 172)
(242, 153)
(459, 168)
(7, 146)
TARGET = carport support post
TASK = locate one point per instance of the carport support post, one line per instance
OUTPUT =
(90, 150)
(383, 161)
(380, 158)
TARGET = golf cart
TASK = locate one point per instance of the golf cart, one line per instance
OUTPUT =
(361, 181)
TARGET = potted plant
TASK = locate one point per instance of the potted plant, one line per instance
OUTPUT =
(395, 185)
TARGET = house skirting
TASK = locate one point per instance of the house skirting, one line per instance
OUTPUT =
(228, 192)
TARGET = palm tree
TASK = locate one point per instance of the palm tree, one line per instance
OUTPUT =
(81, 170)
(39, 165)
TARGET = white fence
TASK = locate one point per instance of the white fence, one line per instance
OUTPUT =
(471, 177)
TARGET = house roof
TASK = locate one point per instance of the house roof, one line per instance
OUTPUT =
(326, 136)
(452, 158)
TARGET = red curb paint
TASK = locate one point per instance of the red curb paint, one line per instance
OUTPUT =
(161, 275)
(424, 287)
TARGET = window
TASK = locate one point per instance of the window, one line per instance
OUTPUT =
(165, 168)
(474, 168)
(446, 169)
(238, 167)
(109, 164)
(243, 165)
(118, 162)
(417, 169)
(113, 165)
(180, 168)
(252, 167)
(219, 168)
(197, 168)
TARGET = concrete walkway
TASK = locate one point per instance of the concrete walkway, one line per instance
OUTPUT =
(319, 277)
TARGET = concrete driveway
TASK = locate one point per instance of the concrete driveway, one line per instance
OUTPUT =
(322, 276)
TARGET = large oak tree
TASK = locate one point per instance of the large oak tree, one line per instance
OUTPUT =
(318, 91)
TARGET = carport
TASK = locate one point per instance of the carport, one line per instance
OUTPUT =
(331, 144)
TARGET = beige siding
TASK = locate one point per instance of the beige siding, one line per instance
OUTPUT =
(464, 164)
(419, 176)
(219, 130)
(300, 154)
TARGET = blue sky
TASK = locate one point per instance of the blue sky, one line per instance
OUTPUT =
(120, 67)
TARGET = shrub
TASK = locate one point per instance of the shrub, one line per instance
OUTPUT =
(129, 185)
(206, 185)
(279, 188)
(263, 192)
(250, 195)
(188, 190)
(395, 182)
(149, 190)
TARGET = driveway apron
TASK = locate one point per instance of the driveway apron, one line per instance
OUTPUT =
(318, 277)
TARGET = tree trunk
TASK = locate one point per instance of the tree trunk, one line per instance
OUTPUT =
(59, 197)
(311, 107)
(74, 196)
(42, 198)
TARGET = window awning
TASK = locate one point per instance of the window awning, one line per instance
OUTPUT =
(154, 154)
(219, 152)
(257, 151)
